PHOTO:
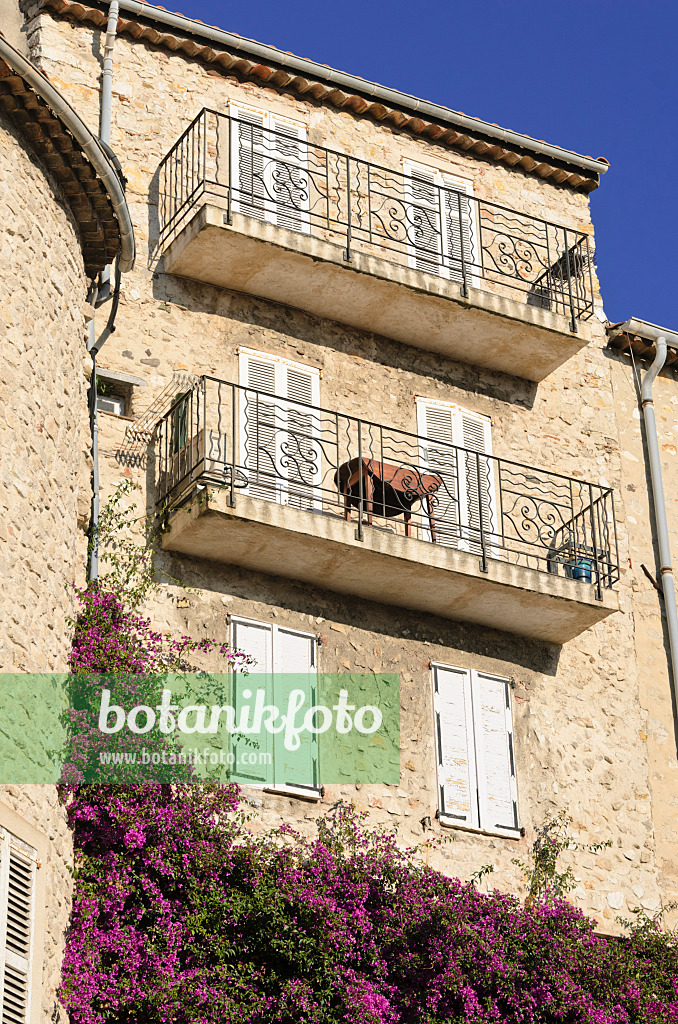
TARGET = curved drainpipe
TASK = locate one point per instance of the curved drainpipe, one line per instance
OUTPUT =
(655, 334)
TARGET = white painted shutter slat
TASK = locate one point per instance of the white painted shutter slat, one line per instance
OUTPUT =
(455, 745)
(435, 423)
(248, 162)
(17, 909)
(287, 178)
(494, 753)
(260, 422)
(295, 665)
(301, 450)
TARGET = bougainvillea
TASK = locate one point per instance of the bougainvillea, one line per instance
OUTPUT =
(182, 913)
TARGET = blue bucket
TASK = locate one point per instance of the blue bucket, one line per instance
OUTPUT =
(580, 569)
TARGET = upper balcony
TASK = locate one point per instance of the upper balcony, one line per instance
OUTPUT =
(290, 489)
(408, 254)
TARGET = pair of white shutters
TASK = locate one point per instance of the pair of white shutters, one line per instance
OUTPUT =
(441, 223)
(468, 489)
(17, 911)
(269, 168)
(474, 745)
(280, 430)
(285, 660)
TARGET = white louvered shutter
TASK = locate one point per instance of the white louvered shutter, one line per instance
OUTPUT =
(424, 238)
(301, 450)
(249, 161)
(255, 639)
(459, 229)
(453, 710)
(287, 178)
(17, 903)
(497, 789)
(261, 421)
(435, 426)
(477, 487)
(295, 668)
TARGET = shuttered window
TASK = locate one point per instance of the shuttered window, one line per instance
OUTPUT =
(469, 486)
(280, 430)
(17, 899)
(474, 746)
(269, 167)
(441, 223)
(285, 660)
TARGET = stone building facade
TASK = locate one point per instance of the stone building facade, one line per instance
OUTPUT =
(578, 709)
(51, 246)
(474, 335)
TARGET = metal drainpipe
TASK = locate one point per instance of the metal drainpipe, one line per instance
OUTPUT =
(105, 115)
(104, 287)
(659, 503)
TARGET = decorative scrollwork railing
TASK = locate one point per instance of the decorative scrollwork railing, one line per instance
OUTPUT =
(324, 462)
(418, 219)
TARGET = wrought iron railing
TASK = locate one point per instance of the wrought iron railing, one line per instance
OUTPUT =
(324, 462)
(417, 218)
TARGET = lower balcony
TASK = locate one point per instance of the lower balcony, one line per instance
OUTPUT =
(289, 489)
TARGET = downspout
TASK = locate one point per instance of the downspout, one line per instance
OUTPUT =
(659, 504)
(103, 292)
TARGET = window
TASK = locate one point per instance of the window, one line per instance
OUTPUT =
(115, 391)
(280, 430)
(278, 653)
(474, 746)
(441, 223)
(269, 168)
(17, 909)
(468, 489)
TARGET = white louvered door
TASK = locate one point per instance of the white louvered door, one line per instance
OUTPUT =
(249, 159)
(280, 434)
(424, 237)
(17, 909)
(458, 212)
(494, 752)
(477, 484)
(441, 223)
(301, 450)
(287, 178)
(449, 438)
(261, 421)
(453, 712)
(436, 429)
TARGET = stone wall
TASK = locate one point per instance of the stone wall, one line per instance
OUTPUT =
(45, 491)
(650, 634)
(579, 721)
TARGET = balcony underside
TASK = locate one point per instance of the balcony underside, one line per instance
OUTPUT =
(323, 551)
(419, 309)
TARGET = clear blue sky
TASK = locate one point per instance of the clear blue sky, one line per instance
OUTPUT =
(596, 76)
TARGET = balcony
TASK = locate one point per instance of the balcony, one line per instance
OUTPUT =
(286, 488)
(403, 255)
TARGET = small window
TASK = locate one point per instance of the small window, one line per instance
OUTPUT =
(111, 403)
(115, 391)
(474, 746)
(278, 652)
(17, 908)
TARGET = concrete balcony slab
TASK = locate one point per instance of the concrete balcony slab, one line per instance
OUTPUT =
(420, 309)
(323, 551)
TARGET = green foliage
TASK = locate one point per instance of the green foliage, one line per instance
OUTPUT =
(544, 881)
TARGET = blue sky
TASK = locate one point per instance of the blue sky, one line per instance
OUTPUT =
(596, 76)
